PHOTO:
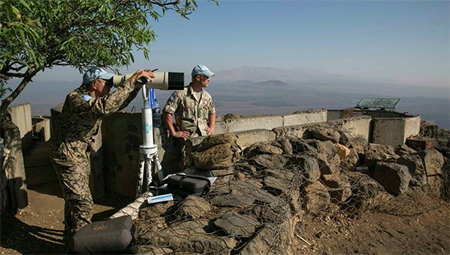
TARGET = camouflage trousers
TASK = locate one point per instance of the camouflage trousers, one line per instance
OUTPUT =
(72, 165)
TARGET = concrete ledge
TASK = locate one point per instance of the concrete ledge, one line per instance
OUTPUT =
(358, 126)
(247, 138)
(253, 123)
(305, 118)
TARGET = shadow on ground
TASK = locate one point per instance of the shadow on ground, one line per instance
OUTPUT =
(27, 239)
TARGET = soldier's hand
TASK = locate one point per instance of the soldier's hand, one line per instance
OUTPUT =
(181, 134)
(210, 130)
(148, 74)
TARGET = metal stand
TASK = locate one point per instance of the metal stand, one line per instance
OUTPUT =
(149, 163)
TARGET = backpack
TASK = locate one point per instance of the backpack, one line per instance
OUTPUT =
(215, 152)
(105, 237)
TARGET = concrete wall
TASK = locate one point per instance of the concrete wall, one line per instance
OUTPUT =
(394, 131)
(21, 117)
(358, 126)
(412, 127)
(306, 117)
(122, 136)
(269, 122)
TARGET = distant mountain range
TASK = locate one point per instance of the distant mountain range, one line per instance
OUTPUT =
(259, 74)
(267, 90)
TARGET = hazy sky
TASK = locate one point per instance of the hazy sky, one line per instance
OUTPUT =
(402, 41)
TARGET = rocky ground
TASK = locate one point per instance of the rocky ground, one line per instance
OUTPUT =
(414, 220)
(422, 229)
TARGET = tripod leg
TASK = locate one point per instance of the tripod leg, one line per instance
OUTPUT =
(158, 167)
(142, 163)
(148, 172)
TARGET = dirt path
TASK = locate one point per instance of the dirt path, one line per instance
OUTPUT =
(38, 229)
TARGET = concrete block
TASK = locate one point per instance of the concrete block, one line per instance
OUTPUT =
(357, 126)
(21, 117)
(305, 118)
(421, 143)
(412, 127)
(334, 115)
(388, 131)
(247, 138)
(253, 123)
(41, 128)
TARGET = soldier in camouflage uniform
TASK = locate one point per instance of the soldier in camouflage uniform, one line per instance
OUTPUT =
(193, 110)
(78, 122)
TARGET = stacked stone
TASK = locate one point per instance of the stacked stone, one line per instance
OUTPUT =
(255, 204)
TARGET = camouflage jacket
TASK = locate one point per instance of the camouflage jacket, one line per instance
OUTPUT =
(81, 115)
(190, 112)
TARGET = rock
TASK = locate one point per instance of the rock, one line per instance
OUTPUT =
(342, 151)
(154, 210)
(339, 187)
(316, 197)
(263, 148)
(233, 200)
(435, 183)
(415, 167)
(300, 146)
(427, 129)
(379, 153)
(261, 244)
(270, 161)
(404, 150)
(351, 161)
(393, 177)
(190, 237)
(330, 166)
(236, 225)
(324, 147)
(307, 166)
(280, 174)
(260, 195)
(366, 192)
(324, 134)
(245, 167)
(153, 250)
(433, 161)
(276, 186)
(286, 146)
(192, 207)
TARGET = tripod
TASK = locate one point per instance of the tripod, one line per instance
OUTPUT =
(149, 163)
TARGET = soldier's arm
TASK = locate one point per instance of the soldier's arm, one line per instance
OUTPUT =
(111, 103)
(169, 110)
(211, 123)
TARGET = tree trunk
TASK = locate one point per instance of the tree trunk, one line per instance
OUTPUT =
(13, 188)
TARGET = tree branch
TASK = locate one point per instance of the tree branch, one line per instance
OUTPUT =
(17, 75)
(30, 73)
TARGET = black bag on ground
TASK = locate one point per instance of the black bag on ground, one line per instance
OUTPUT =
(185, 185)
(114, 236)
